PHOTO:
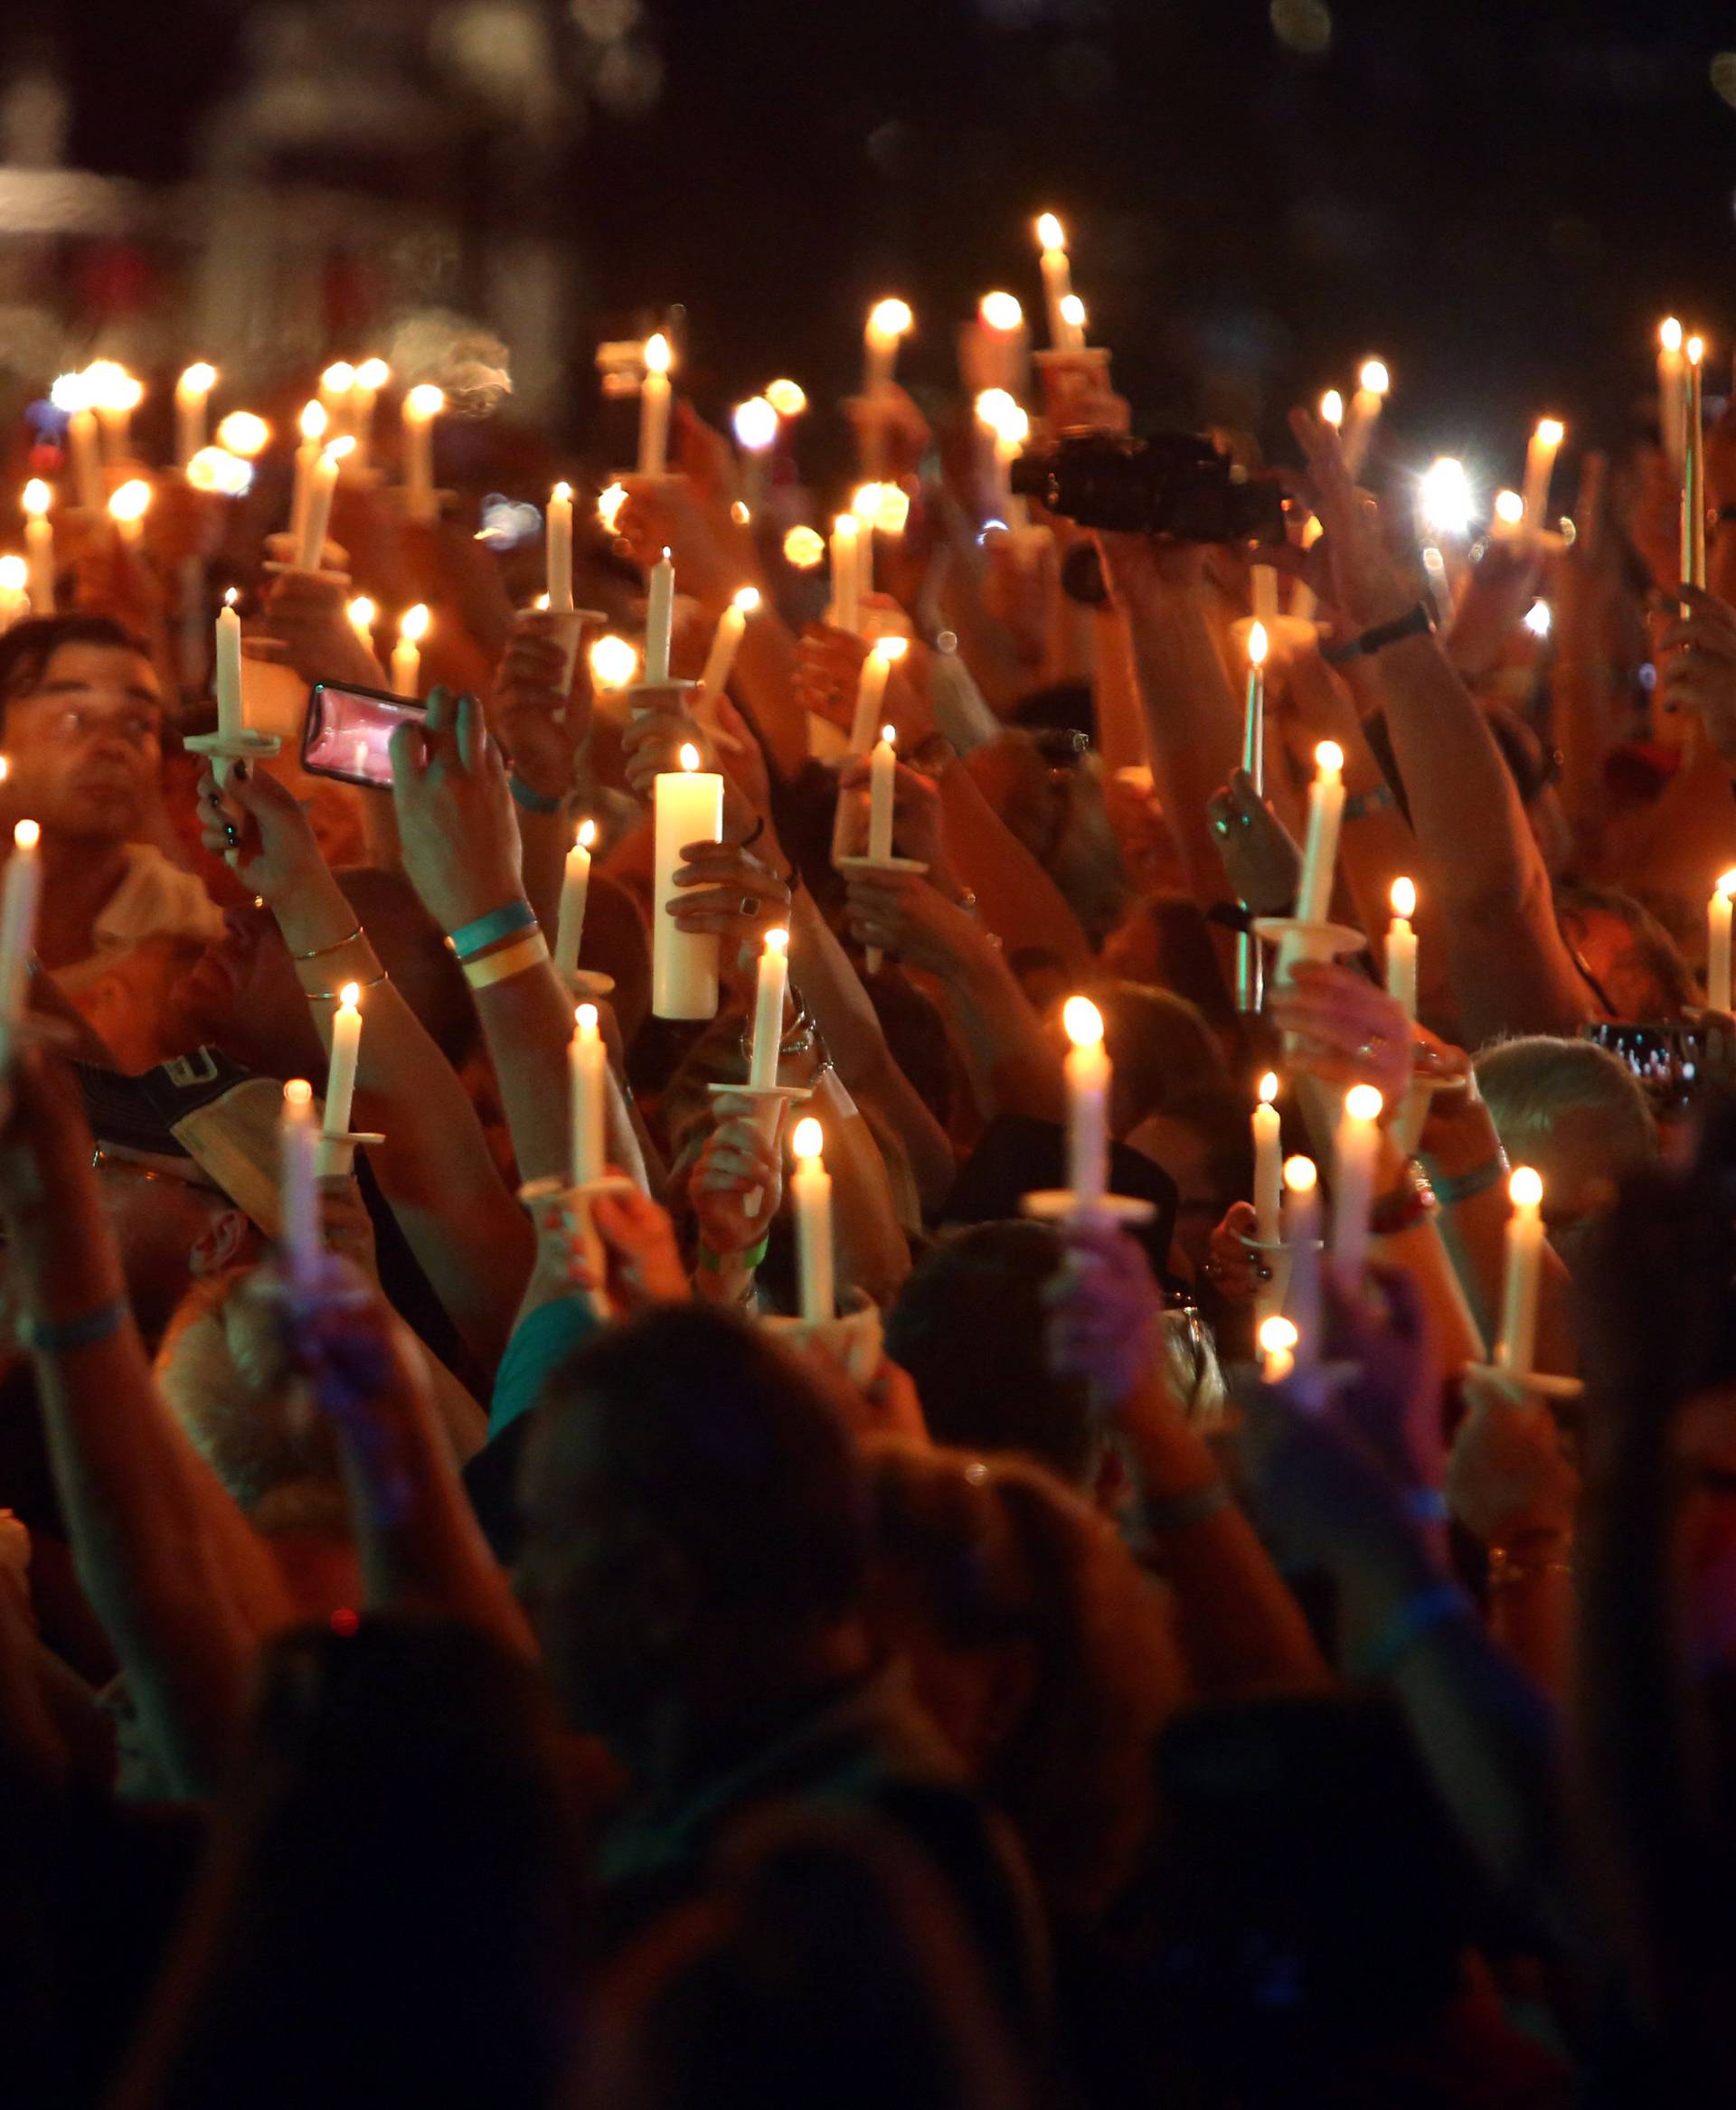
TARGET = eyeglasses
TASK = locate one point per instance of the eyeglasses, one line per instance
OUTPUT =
(107, 1161)
(139, 728)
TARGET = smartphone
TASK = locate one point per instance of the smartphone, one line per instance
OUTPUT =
(348, 732)
(1669, 1061)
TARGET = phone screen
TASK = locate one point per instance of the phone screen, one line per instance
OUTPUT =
(349, 731)
(1667, 1060)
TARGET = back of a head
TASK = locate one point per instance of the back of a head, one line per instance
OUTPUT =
(1161, 1047)
(1538, 1087)
(969, 1327)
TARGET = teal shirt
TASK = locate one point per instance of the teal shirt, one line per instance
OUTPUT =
(541, 1339)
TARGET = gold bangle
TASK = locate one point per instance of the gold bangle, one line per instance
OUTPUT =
(336, 996)
(336, 945)
(512, 959)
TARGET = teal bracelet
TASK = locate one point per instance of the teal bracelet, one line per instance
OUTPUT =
(470, 938)
(1420, 1614)
(57, 1336)
(534, 801)
(749, 1257)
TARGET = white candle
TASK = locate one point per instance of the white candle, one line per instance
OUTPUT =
(83, 446)
(334, 386)
(811, 1192)
(20, 892)
(1402, 948)
(1669, 390)
(1269, 1162)
(660, 621)
(192, 397)
(1088, 1104)
(1694, 468)
(1718, 922)
(560, 548)
(116, 395)
(362, 612)
(883, 791)
(1355, 1151)
(1278, 1342)
(575, 885)
(346, 1048)
(232, 722)
(1003, 339)
(726, 640)
(1509, 520)
(312, 423)
(1058, 285)
(407, 654)
(422, 405)
(1253, 722)
(769, 1011)
(1540, 469)
(14, 597)
(1516, 1344)
(39, 546)
(654, 408)
(888, 321)
(1302, 1240)
(298, 1199)
(127, 506)
(846, 612)
(687, 806)
(322, 488)
(1320, 850)
(870, 691)
(588, 1072)
(1365, 412)
(370, 377)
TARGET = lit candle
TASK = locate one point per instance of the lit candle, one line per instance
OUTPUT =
(127, 505)
(1540, 467)
(370, 377)
(244, 434)
(660, 621)
(882, 790)
(20, 891)
(1693, 469)
(1088, 1104)
(232, 722)
(726, 639)
(1002, 335)
(192, 397)
(654, 408)
(362, 612)
(1010, 435)
(346, 1048)
(575, 887)
(888, 321)
(1058, 285)
(1718, 922)
(811, 1192)
(1253, 722)
(1302, 1243)
(1516, 1344)
(1669, 390)
(1355, 1151)
(1072, 314)
(322, 488)
(1304, 600)
(334, 386)
(787, 397)
(1402, 948)
(1268, 1161)
(1509, 518)
(846, 612)
(1372, 383)
(298, 1199)
(312, 423)
(588, 1074)
(15, 594)
(871, 690)
(39, 546)
(407, 654)
(71, 393)
(422, 405)
(769, 1011)
(614, 664)
(560, 548)
(1320, 850)
(756, 425)
(117, 395)
(1332, 409)
(687, 806)
(1278, 1341)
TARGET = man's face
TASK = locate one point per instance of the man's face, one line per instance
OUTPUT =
(241, 995)
(84, 743)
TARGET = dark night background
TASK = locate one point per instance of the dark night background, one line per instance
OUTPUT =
(1501, 197)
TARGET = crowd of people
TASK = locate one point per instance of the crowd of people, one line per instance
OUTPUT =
(528, 1656)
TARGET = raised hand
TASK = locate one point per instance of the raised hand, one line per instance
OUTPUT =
(454, 813)
(1507, 1476)
(901, 914)
(1260, 858)
(308, 615)
(828, 666)
(1351, 563)
(738, 1164)
(274, 846)
(1699, 665)
(727, 892)
(1344, 1030)
(639, 1240)
(917, 829)
(1104, 1311)
(540, 724)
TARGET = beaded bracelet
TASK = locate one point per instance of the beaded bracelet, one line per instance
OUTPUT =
(507, 921)
(512, 960)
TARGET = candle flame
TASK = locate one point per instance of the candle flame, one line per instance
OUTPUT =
(585, 1017)
(350, 995)
(1300, 1175)
(609, 501)
(1278, 1334)
(1000, 311)
(5, 768)
(756, 424)
(362, 612)
(587, 834)
(1526, 1188)
(27, 835)
(541, 604)
(658, 356)
(1537, 618)
(1268, 1087)
(689, 757)
(413, 623)
(1312, 531)
(425, 400)
(747, 600)
(1509, 508)
(787, 397)
(865, 503)
(891, 318)
(1551, 432)
(889, 733)
(110, 387)
(231, 596)
(1072, 310)
(69, 391)
(1363, 1103)
(1446, 493)
(1696, 349)
(335, 450)
(994, 408)
(1257, 643)
(809, 1138)
(1329, 758)
(561, 494)
(1082, 1021)
(14, 573)
(1669, 334)
(890, 649)
(373, 374)
(804, 548)
(613, 663)
(215, 469)
(1403, 898)
(313, 420)
(776, 940)
(1332, 407)
(338, 379)
(1727, 885)
(1374, 377)
(297, 1096)
(131, 501)
(199, 379)
(243, 433)
(1050, 233)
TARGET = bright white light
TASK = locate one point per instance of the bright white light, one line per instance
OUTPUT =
(215, 469)
(756, 424)
(1446, 505)
(1537, 618)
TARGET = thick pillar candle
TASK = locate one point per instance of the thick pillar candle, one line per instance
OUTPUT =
(687, 806)
(846, 612)
(811, 1192)
(1402, 948)
(1058, 285)
(1269, 1162)
(298, 1240)
(1516, 1344)
(1539, 469)
(1355, 1151)
(654, 408)
(1302, 1238)
(226, 671)
(1373, 382)
(39, 546)
(1320, 850)
(726, 640)
(1718, 923)
(422, 406)
(659, 619)
(20, 893)
(346, 1048)
(1088, 1104)
(588, 1074)
(407, 654)
(575, 887)
(559, 550)
(769, 1011)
